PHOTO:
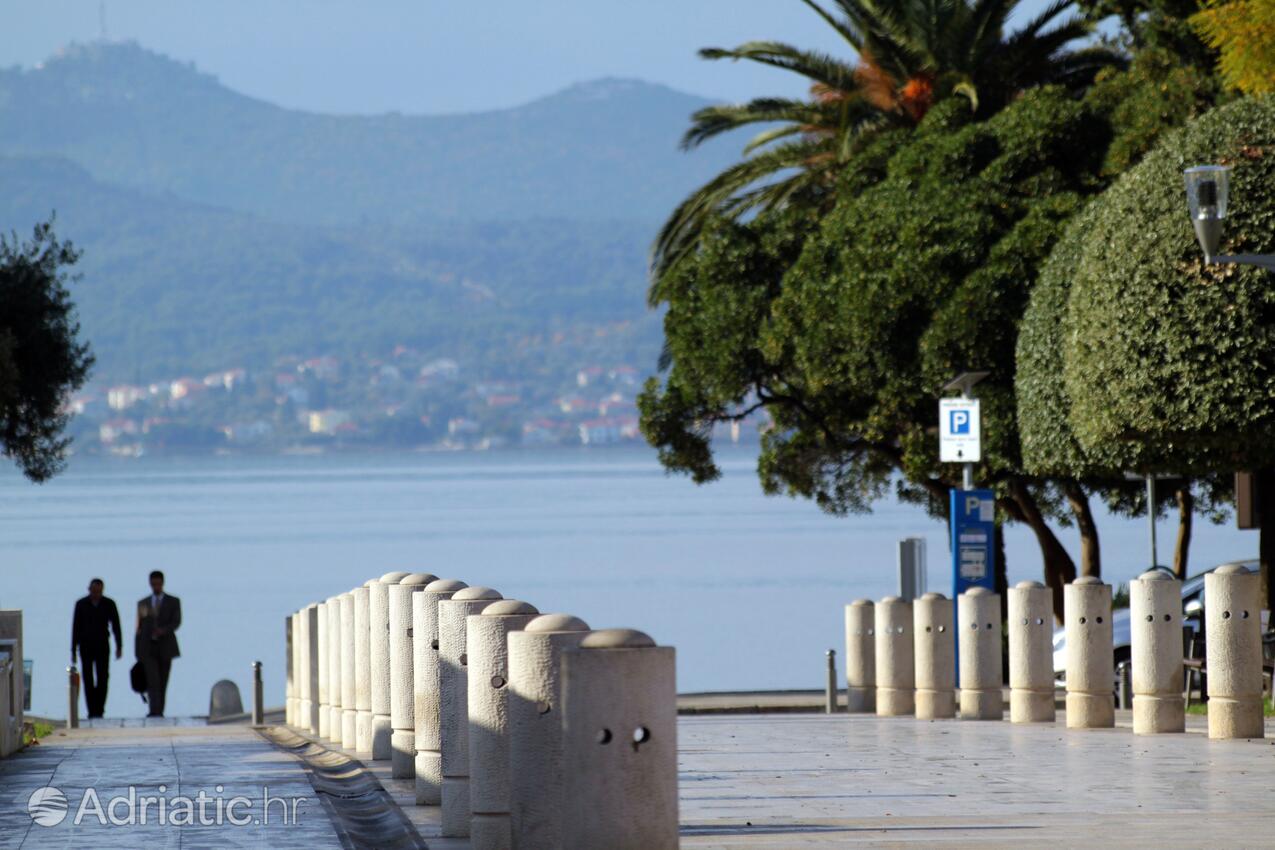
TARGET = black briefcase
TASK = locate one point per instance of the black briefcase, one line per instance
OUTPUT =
(137, 678)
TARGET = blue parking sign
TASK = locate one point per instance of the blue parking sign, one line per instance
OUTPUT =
(973, 515)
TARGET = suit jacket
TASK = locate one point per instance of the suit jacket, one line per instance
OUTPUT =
(168, 618)
(91, 626)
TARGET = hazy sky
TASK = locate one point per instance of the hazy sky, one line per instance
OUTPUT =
(431, 55)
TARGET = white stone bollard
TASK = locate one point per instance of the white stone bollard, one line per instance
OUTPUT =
(378, 605)
(425, 676)
(362, 670)
(619, 730)
(487, 645)
(335, 711)
(861, 676)
(310, 668)
(1090, 659)
(535, 724)
(978, 630)
(935, 657)
(324, 705)
(1233, 638)
(1031, 653)
(402, 680)
(1155, 610)
(453, 682)
(895, 658)
(349, 710)
(290, 680)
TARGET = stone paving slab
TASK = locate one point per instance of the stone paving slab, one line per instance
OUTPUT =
(184, 760)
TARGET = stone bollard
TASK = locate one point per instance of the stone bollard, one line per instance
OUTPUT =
(402, 680)
(1233, 641)
(310, 668)
(1087, 620)
(935, 657)
(290, 686)
(619, 731)
(425, 676)
(378, 605)
(349, 690)
(487, 645)
(325, 706)
(978, 629)
(300, 685)
(453, 684)
(334, 670)
(362, 670)
(895, 658)
(1155, 611)
(1031, 653)
(535, 725)
(861, 678)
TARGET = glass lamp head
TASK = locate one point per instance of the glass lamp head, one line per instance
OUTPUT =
(1207, 189)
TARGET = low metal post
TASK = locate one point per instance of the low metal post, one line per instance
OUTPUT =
(258, 700)
(72, 697)
(1124, 676)
(830, 700)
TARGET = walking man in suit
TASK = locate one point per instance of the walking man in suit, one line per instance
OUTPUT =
(159, 615)
(95, 617)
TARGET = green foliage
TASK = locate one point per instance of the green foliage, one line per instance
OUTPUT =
(1243, 31)
(1168, 362)
(42, 359)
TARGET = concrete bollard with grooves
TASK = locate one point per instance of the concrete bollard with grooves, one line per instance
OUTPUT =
(402, 678)
(978, 634)
(349, 710)
(1090, 660)
(310, 668)
(487, 645)
(425, 675)
(363, 670)
(535, 725)
(1031, 653)
(895, 658)
(935, 657)
(290, 674)
(378, 618)
(861, 677)
(619, 738)
(334, 670)
(1155, 611)
(325, 707)
(453, 682)
(1233, 637)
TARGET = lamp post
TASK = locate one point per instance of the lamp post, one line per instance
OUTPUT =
(1207, 193)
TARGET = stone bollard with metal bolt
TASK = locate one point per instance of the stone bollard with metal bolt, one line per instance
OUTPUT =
(861, 677)
(349, 690)
(378, 616)
(310, 668)
(619, 730)
(487, 645)
(1155, 608)
(289, 673)
(363, 669)
(325, 705)
(895, 658)
(1031, 653)
(258, 696)
(1233, 640)
(454, 705)
(402, 678)
(1087, 621)
(935, 657)
(978, 630)
(427, 689)
(335, 711)
(535, 724)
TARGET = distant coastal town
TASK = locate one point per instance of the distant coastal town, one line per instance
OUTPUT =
(404, 400)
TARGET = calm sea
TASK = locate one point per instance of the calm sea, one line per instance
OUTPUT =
(748, 588)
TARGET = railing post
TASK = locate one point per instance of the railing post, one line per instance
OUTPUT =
(258, 698)
(830, 697)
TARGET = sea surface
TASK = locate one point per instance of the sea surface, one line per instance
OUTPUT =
(749, 588)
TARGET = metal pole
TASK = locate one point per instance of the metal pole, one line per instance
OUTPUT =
(258, 700)
(830, 701)
(1155, 560)
(1124, 674)
(967, 472)
(72, 697)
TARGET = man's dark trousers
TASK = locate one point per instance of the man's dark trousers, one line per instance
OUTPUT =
(157, 670)
(95, 664)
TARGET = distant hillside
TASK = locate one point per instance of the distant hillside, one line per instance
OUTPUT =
(600, 150)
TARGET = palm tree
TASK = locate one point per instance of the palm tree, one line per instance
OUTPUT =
(908, 54)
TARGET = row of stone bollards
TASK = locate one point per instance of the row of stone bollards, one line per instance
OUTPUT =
(529, 731)
(902, 657)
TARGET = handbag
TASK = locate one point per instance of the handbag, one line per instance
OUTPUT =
(137, 678)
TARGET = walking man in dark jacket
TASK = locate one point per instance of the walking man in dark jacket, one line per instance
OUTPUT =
(159, 615)
(95, 616)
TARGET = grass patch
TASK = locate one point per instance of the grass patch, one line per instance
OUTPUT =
(34, 730)
(1202, 708)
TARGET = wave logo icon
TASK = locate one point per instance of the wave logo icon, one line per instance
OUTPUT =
(47, 806)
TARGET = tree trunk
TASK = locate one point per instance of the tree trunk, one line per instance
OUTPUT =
(1060, 569)
(1001, 572)
(1266, 525)
(1186, 513)
(1090, 551)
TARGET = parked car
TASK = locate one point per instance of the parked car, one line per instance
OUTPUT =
(1192, 613)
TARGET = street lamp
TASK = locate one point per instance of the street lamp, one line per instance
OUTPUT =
(1207, 192)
